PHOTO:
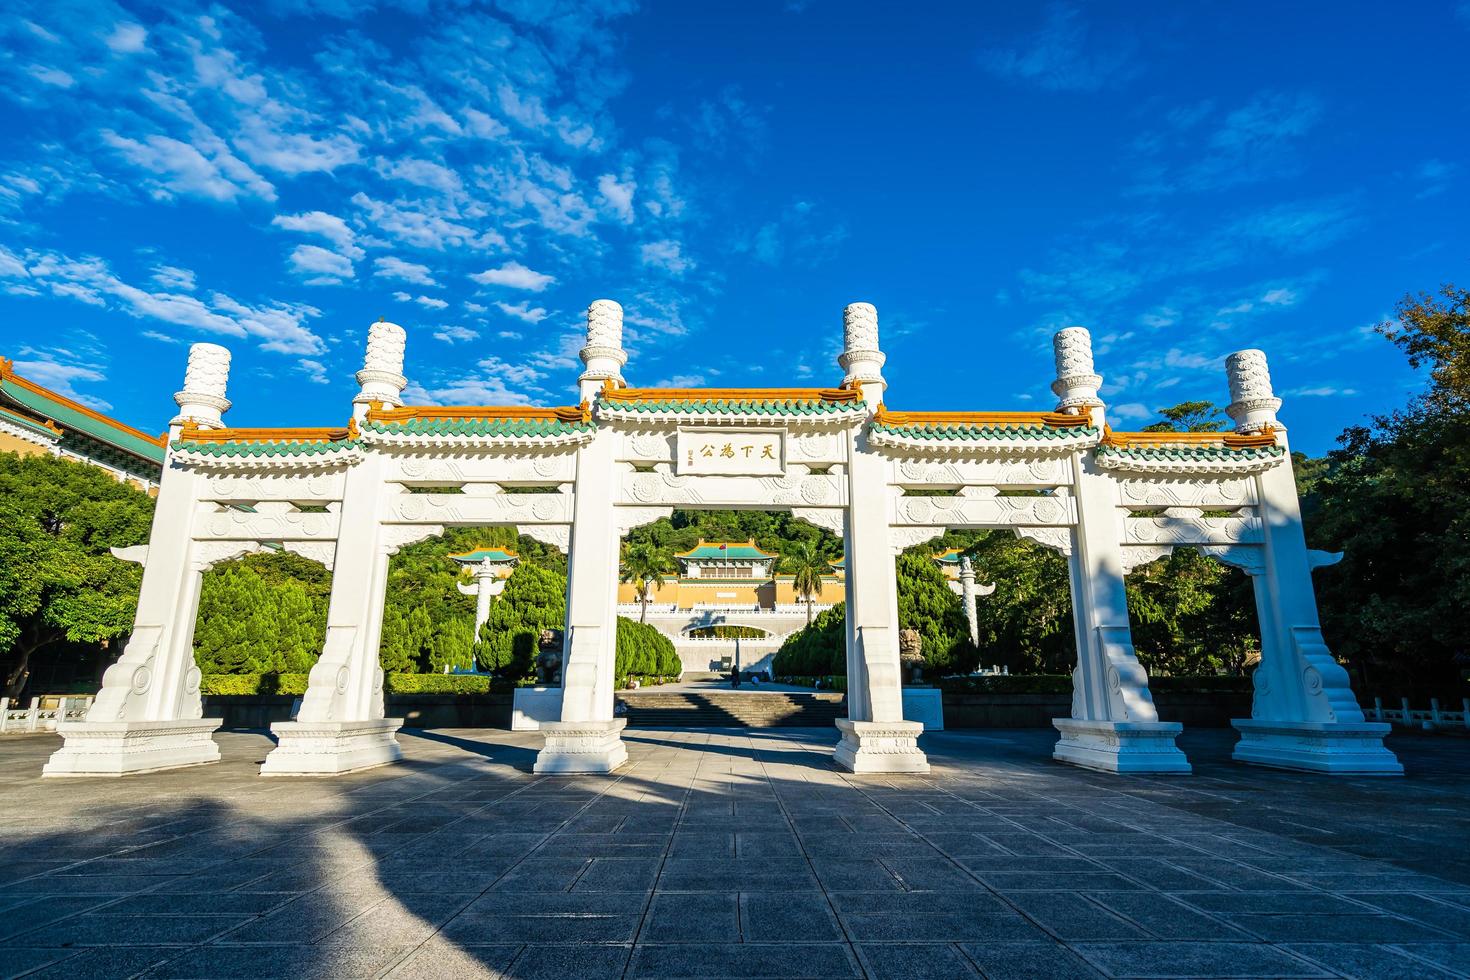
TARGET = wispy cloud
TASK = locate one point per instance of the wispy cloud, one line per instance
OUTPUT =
(1064, 55)
(513, 275)
(391, 267)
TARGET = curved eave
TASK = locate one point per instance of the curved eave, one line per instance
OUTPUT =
(740, 411)
(1209, 460)
(472, 439)
(982, 440)
(266, 455)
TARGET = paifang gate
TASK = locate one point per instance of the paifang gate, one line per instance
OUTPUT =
(623, 456)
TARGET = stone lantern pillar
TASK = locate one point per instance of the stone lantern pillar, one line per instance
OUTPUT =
(147, 715)
(488, 584)
(602, 355)
(1114, 725)
(381, 378)
(1304, 714)
(875, 736)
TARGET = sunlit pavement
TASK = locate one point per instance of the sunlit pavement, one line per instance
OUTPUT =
(736, 853)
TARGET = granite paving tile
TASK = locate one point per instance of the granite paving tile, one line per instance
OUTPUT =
(746, 961)
(1189, 959)
(1043, 960)
(1363, 961)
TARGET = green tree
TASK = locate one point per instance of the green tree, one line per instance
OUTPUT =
(262, 614)
(807, 566)
(58, 582)
(534, 599)
(1197, 416)
(645, 565)
(1192, 615)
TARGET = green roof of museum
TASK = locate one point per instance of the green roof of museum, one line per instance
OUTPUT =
(73, 417)
(725, 550)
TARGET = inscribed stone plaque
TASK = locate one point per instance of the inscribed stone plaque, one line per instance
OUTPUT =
(726, 452)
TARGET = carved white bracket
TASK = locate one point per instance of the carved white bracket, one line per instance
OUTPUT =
(903, 538)
(395, 537)
(1058, 539)
(1321, 559)
(631, 517)
(831, 518)
(556, 535)
(321, 552)
(137, 554)
(1136, 555)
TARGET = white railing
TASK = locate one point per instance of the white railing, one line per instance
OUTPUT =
(34, 718)
(745, 641)
(1435, 717)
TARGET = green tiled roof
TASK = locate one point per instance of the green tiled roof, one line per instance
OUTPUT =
(981, 433)
(70, 417)
(741, 406)
(484, 554)
(728, 549)
(1161, 454)
(502, 428)
(232, 450)
(26, 423)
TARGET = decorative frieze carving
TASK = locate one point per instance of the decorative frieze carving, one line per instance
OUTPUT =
(985, 511)
(321, 552)
(1191, 530)
(1166, 492)
(459, 508)
(241, 525)
(1058, 539)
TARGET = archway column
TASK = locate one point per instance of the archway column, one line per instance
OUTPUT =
(875, 737)
(147, 715)
(588, 738)
(1114, 725)
(341, 725)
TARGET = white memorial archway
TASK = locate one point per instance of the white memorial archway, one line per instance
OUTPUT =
(624, 456)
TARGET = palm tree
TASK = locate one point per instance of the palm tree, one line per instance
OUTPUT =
(807, 565)
(645, 565)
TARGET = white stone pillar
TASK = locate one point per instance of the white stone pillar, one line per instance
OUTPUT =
(967, 596)
(1304, 714)
(602, 355)
(381, 378)
(147, 715)
(875, 737)
(341, 725)
(488, 585)
(1114, 725)
(588, 738)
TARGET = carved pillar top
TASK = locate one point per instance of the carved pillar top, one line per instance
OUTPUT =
(1253, 404)
(861, 356)
(603, 355)
(203, 399)
(1077, 383)
(381, 378)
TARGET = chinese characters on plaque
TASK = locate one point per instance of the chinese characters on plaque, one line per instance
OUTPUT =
(721, 452)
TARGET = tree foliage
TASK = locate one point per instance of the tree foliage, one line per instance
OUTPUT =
(58, 582)
(643, 651)
(262, 614)
(644, 564)
(806, 563)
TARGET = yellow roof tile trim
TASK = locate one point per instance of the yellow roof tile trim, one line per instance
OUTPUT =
(192, 433)
(1230, 440)
(614, 394)
(509, 413)
(1055, 420)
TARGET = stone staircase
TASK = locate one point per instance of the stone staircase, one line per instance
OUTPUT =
(731, 709)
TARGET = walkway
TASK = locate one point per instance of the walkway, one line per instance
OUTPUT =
(724, 685)
(736, 854)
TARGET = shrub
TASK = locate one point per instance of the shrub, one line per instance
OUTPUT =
(247, 685)
(644, 652)
(443, 684)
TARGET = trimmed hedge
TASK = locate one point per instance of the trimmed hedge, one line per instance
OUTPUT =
(238, 685)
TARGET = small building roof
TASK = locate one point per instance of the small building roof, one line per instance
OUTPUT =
(495, 556)
(726, 550)
(949, 556)
(70, 415)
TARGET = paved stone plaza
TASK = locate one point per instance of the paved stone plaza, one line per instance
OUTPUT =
(741, 854)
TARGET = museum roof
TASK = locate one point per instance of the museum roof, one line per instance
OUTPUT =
(71, 415)
(770, 402)
(479, 555)
(726, 549)
(981, 426)
(41, 427)
(949, 556)
(1184, 446)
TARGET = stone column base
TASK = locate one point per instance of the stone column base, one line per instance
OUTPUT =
(582, 746)
(880, 746)
(1336, 748)
(1121, 746)
(118, 748)
(330, 748)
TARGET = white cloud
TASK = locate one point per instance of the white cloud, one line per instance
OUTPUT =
(321, 262)
(172, 277)
(456, 334)
(432, 302)
(475, 307)
(58, 369)
(667, 255)
(1279, 297)
(1063, 57)
(426, 224)
(184, 168)
(390, 267)
(1319, 391)
(513, 275)
(328, 226)
(126, 38)
(617, 196)
(1130, 410)
(279, 327)
(315, 370)
(522, 311)
(54, 77)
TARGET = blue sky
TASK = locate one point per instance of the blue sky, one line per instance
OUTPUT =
(1186, 180)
